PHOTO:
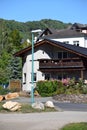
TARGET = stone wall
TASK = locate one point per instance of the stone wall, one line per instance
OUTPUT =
(81, 98)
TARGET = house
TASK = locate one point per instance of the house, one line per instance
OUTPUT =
(53, 60)
(79, 27)
(46, 32)
(69, 36)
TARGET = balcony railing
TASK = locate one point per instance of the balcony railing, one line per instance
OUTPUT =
(60, 63)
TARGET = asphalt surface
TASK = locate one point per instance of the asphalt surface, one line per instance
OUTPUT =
(44, 121)
(40, 121)
(64, 106)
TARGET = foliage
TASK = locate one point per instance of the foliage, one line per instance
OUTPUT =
(15, 67)
(3, 91)
(60, 88)
(10, 43)
(47, 88)
(15, 39)
(4, 58)
(76, 126)
(26, 28)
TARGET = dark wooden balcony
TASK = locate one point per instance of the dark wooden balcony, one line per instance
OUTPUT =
(68, 63)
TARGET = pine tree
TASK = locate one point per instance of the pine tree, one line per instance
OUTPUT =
(15, 68)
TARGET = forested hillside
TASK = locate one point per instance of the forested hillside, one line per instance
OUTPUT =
(25, 28)
(13, 37)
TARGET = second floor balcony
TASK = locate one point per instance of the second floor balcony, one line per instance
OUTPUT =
(60, 63)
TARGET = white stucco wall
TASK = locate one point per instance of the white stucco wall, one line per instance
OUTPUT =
(39, 53)
(82, 40)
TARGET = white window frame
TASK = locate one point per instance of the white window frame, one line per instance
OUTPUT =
(76, 43)
(24, 78)
(35, 77)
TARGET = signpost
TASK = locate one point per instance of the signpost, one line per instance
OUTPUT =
(32, 87)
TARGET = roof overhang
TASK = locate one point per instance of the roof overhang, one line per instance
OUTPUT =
(21, 53)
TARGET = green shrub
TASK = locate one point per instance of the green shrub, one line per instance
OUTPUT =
(84, 89)
(3, 91)
(61, 88)
(53, 87)
(72, 82)
(47, 88)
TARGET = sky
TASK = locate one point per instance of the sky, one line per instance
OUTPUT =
(67, 11)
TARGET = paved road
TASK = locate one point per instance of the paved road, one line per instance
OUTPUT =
(71, 106)
(40, 121)
(63, 106)
(44, 121)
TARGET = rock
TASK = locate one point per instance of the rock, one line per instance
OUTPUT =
(24, 94)
(36, 93)
(49, 104)
(38, 105)
(1, 98)
(17, 107)
(11, 96)
(12, 106)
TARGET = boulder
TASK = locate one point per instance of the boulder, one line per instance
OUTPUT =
(36, 93)
(38, 105)
(1, 98)
(49, 104)
(24, 94)
(12, 106)
(11, 96)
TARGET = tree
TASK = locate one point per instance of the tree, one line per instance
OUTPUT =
(26, 43)
(15, 68)
(4, 58)
(15, 39)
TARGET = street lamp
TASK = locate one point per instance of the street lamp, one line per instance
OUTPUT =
(32, 78)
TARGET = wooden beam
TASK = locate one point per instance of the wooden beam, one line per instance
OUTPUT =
(82, 74)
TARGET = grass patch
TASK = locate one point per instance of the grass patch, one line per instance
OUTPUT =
(26, 108)
(76, 126)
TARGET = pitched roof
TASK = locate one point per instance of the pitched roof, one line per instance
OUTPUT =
(67, 33)
(79, 26)
(81, 51)
(74, 48)
(47, 31)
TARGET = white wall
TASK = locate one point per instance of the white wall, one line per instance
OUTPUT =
(82, 41)
(27, 67)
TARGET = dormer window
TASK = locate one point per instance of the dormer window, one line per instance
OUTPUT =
(67, 42)
(76, 43)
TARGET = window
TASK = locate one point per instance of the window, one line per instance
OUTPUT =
(59, 55)
(47, 76)
(34, 77)
(59, 77)
(62, 55)
(67, 42)
(24, 78)
(76, 43)
(62, 76)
